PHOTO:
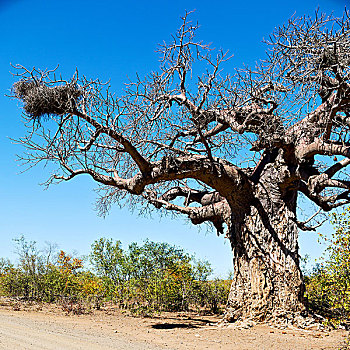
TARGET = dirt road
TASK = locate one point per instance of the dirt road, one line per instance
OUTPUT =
(22, 332)
(52, 330)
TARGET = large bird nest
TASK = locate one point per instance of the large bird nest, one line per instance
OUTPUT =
(40, 99)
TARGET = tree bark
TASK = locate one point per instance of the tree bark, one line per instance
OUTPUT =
(267, 278)
(267, 282)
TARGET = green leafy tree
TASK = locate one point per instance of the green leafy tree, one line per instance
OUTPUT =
(144, 278)
(154, 276)
(107, 258)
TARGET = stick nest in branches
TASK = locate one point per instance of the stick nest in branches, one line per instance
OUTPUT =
(40, 99)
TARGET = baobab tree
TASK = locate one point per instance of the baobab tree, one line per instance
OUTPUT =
(233, 150)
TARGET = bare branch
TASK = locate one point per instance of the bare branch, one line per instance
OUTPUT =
(170, 126)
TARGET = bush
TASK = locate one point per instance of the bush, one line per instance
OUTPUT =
(145, 278)
(156, 277)
(212, 295)
(149, 277)
(42, 277)
(328, 285)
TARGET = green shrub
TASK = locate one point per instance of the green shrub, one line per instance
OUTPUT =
(156, 277)
(328, 285)
(144, 279)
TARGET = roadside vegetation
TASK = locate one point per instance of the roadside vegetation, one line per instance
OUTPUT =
(143, 279)
(328, 283)
(154, 277)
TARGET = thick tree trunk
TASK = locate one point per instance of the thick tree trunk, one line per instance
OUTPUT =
(268, 282)
(267, 278)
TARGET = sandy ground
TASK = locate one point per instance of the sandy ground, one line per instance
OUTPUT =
(50, 329)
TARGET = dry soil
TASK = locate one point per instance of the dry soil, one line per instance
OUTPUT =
(25, 327)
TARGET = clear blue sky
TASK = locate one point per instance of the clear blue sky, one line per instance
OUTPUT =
(113, 40)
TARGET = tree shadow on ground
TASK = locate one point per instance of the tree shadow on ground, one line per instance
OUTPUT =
(167, 325)
(189, 322)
